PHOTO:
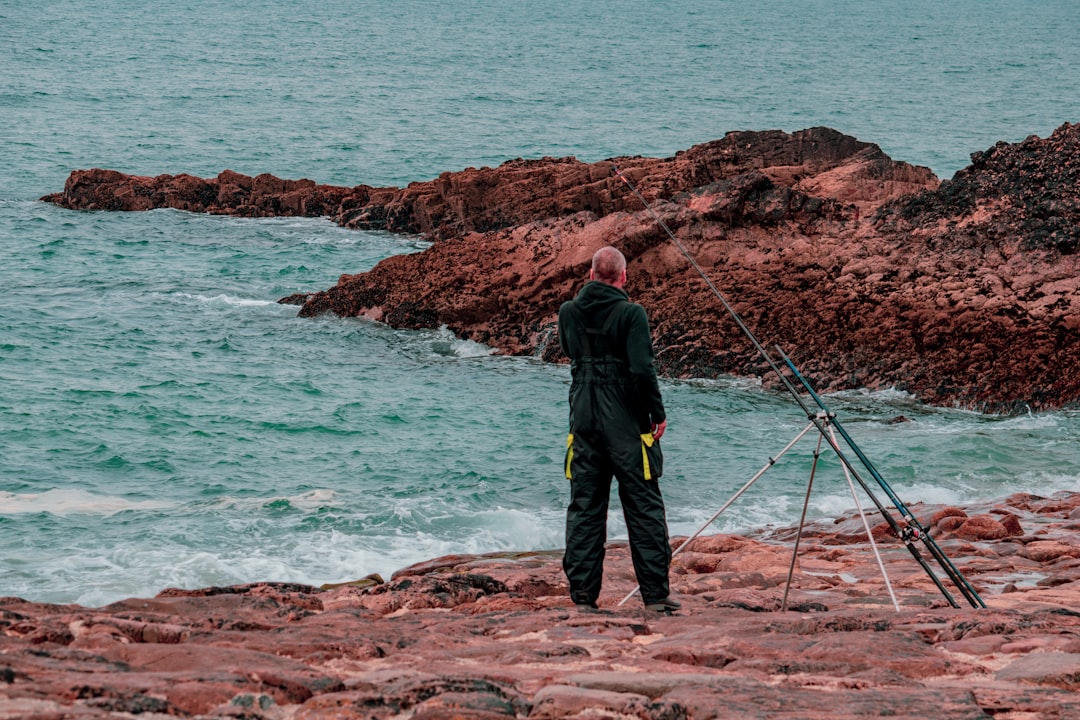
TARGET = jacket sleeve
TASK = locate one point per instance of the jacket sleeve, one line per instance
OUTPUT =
(639, 353)
(564, 331)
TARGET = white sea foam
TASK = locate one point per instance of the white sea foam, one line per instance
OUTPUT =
(446, 343)
(72, 501)
(503, 529)
(310, 500)
(888, 396)
(142, 572)
(1031, 421)
(225, 299)
(719, 383)
(345, 557)
(317, 558)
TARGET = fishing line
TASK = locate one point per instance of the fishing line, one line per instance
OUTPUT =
(913, 531)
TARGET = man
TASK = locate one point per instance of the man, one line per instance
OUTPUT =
(616, 421)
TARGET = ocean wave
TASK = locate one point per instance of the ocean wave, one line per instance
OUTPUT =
(71, 502)
(346, 557)
(724, 382)
(306, 501)
(330, 555)
(967, 423)
(222, 298)
(888, 396)
(445, 343)
(950, 491)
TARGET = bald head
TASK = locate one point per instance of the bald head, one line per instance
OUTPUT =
(609, 267)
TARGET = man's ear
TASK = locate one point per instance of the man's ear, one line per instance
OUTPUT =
(591, 274)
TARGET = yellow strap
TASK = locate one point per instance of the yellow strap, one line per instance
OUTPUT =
(646, 441)
(569, 453)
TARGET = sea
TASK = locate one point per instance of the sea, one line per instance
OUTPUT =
(164, 422)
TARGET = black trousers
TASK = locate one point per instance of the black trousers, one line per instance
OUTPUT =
(596, 459)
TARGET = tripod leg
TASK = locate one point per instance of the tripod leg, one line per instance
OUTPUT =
(736, 496)
(802, 522)
(913, 530)
(869, 534)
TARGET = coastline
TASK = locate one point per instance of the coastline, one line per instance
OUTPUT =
(887, 280)
(191, 469)
(495, 636)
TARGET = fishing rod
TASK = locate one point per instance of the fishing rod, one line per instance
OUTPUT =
(908, 534)
(913, 527)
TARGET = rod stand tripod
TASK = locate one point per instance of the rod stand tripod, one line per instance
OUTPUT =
(826, 418)
(821, 420)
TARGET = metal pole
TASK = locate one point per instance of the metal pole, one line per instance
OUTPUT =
(914, 531)
(802, 523)
(870, 536)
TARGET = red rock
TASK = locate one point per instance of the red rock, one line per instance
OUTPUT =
(1049, 550)
(867, 271)
(950, 523)
(1012, 524)
(452, 638)
(981, 527)
(946, 512)
(561, 701)
(714, 544)
(857, 304)
(1061, 505)
(695, 562)
(1060, 670)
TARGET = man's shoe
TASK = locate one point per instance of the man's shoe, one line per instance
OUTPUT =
(667, 605)
(586, 606)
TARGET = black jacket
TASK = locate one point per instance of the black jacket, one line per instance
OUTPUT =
(609, 344)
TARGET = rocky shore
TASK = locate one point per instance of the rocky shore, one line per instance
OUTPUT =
(495, 636)
(869, 272)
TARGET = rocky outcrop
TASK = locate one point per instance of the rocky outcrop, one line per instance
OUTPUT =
(229, 193)
(513, 194)
(868, 272)
(495, 636)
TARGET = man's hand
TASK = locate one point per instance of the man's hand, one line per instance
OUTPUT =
(658, 430)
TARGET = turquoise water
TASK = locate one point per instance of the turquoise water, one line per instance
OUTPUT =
(163, 422)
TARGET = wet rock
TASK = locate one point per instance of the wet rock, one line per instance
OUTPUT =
(561, 701)
(940, 515)
(1049, 550)
(862, 294)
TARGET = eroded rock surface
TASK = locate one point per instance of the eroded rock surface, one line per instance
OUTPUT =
(495, 636)
(869, 272)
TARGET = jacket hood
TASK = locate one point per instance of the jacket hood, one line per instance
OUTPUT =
(597, 297)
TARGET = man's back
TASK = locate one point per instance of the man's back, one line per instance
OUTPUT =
(608, 342)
